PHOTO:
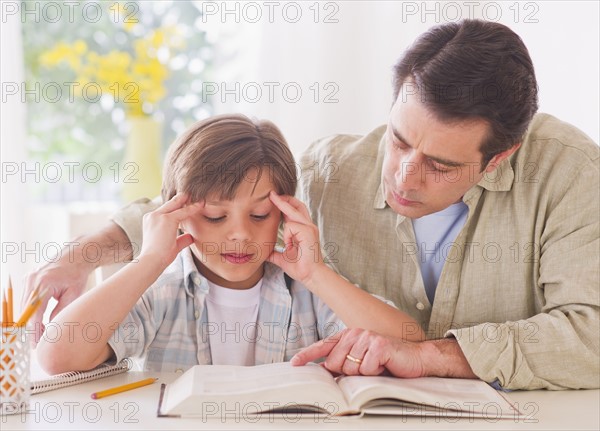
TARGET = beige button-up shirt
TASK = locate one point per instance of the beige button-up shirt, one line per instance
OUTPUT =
(520, 286)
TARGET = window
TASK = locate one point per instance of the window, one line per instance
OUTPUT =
(93, 67)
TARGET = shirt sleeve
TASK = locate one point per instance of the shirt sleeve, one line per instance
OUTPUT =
(135, 333)
(129, 218)
(559, 347)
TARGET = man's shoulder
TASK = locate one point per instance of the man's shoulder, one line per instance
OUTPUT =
(342, 146)
(340, 162)
(549, 137)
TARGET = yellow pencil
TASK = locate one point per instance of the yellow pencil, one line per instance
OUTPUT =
(123, 388)
(4, 309)
(9, 314)
(29, 310)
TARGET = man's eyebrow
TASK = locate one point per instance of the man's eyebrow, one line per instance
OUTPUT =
(441, 161)
(220, 203)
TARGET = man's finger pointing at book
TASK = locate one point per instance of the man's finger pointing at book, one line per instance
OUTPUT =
(315, 351)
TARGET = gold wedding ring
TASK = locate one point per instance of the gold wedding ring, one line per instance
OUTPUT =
(353, 359)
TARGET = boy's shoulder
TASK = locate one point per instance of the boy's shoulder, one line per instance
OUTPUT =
(278, 282)
(178, 274)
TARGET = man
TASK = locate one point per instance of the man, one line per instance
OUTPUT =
(472, 215)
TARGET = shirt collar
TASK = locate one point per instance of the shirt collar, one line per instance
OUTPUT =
(379, 201)
(192, 278)
(501, 179)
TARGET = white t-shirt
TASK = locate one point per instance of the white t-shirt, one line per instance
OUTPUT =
(232, 316)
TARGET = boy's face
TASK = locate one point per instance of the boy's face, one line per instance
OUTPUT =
(232, 239)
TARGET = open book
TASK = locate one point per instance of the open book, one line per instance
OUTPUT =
(75, 377)
(227, 390)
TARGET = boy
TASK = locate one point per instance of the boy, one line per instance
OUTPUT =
(219, 293)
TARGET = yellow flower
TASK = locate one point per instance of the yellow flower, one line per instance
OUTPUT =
(157, 38)
(63, 52)
(135, 80)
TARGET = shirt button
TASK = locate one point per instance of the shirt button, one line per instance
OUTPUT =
(196, 314)
(420, 306)
(179, 370)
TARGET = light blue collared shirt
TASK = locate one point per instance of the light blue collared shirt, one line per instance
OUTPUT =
(435, 234)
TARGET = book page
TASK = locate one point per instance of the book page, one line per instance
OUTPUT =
(442, 394)
(215, 390)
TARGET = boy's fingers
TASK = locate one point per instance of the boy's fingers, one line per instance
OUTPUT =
(288, 209)
(181, 214)
(297, 204)
(174, 203)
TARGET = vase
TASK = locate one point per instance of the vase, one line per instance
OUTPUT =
(141, 166)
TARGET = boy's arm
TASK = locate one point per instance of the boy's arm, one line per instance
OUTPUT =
(107, 305)
(66, 277)
(359, 309)
(302, 260)
(101, 309)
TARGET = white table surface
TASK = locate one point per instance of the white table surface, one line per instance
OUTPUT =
(72, 408)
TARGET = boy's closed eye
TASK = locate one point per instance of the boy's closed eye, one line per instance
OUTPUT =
(256, 217)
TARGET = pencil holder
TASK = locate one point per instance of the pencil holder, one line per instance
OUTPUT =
(15, 386)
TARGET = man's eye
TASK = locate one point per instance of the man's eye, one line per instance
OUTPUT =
(214, 219)
(398, 145)
(439, 168)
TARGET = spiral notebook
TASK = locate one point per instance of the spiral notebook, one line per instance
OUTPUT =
(75, 377)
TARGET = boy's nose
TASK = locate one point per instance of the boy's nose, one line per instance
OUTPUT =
(239, 232)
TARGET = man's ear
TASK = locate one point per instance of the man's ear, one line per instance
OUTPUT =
(499, 158)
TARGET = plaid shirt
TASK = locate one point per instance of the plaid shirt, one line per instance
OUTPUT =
(169, 330)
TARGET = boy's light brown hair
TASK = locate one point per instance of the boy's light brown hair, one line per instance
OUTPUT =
(215, 155)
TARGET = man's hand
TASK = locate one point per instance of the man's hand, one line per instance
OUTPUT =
(66, 277)
(357, 351)
(370, 354)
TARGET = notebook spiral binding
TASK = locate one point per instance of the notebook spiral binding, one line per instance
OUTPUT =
(75, 377)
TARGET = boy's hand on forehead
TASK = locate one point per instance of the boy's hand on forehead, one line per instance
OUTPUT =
(302, 252)
(160, 241)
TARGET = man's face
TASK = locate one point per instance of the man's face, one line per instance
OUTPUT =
(428, 164)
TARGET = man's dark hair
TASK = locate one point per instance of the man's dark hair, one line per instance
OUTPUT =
(473, 69)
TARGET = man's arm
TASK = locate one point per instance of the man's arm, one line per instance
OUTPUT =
(118, 241)
(66, 277)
